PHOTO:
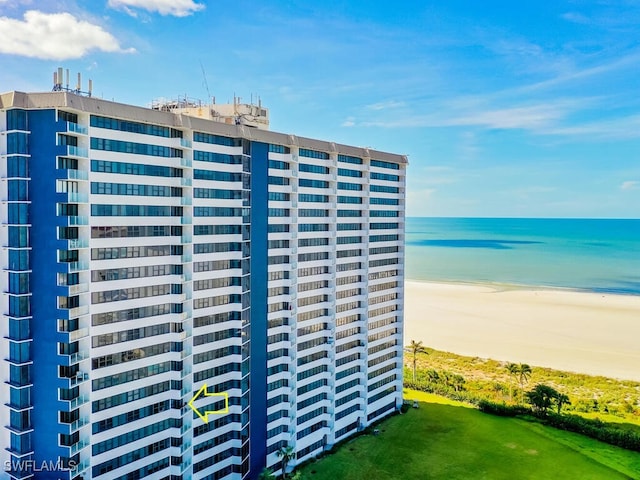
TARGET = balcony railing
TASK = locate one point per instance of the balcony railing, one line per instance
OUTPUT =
(78, 220)
(78, 197)
(75, 151)
(78, 243)
(77, 174)
(75, 128)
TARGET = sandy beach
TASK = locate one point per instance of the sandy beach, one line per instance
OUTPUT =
(583, 332)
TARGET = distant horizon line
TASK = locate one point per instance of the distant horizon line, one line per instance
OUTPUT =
(520, 218)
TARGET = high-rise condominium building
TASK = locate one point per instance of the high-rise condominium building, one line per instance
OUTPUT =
(147, 253)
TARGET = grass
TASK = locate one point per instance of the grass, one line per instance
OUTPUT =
(444, 439)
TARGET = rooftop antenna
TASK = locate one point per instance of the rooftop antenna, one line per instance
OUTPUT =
(59, 78)
(206, 84)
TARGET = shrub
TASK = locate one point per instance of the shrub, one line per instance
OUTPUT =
(597, 429)
(502, 409)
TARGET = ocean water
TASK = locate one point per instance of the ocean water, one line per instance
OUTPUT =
(585, 254)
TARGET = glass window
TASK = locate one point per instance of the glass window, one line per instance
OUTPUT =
(349, 159)
(17, 119)
(18, 190)
(18, 260)
(18, 213)
(381, 164)
(18, 237)
(17, 143)
(17, 167)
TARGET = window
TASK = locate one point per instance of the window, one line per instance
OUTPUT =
(216, 176)
(216, 139)
(381, 164)
(17, 167)
(278, 148)
(384, 213)
(384, 176)
(304, 167)
(279, 196)
(134, 169)
(305, 182)
(384, 201)
(278, 165)
(349, 186)
(349, 159)
(347, 172)
(134, 148)
(133, 127)
(16, 119)
(278, 180)
(17, 143)
(383, 189)
(345, 199)
(102, 188)
(304, 152)
(311, 197)
(213, 157)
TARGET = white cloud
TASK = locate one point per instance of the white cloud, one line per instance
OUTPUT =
(177, 8)
(54, 36)
(385, 105)
(621, 127)
(630, 185)
(349, 122)
(528, 117)
(532, 117)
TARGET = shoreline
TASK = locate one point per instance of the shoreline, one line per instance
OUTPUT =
(566, 329)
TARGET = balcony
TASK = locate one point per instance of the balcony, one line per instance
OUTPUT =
(76, 447)
(77, 197)
(78, 220)
(77, 174)
(80, 288)
(78, 334)
(75, 128)
(78, 424)
(75, 151)
(74, 358)
(78, 243)
(78, 266)
(76, 402)
(80, 377)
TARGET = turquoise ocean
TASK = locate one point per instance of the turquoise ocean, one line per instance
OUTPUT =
(594, 255)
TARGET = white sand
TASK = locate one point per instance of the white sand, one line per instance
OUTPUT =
(582, 332)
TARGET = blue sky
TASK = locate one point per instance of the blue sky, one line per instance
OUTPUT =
(531, 111)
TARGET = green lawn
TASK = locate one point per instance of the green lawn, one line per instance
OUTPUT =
(448, 440)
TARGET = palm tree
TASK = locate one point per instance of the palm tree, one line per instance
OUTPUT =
(415, 348)
(512, 368)
(562, 399)
(266, 474)
(524, 374)
(286, 453)
(541, 398)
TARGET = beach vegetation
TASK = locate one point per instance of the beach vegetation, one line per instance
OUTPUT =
(606, 409)
(561, 400)
(512, 368)
(610, 400)
(542, 398)
(414, 349)
(524, 374)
